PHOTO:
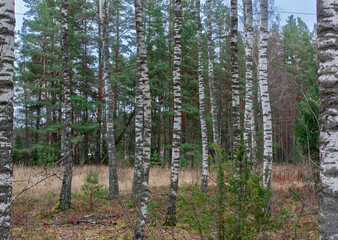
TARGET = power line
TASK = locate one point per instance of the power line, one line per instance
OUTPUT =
(312, 14)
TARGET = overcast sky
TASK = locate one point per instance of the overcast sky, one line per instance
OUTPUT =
(295, 6)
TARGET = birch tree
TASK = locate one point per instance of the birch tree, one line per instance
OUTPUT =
(327, 17)
(7, 25)
(264, 95)
(65, 195)
(249, 121)
(170, 218)
(138, 129)
(204, 133)
(235, 79)
(143, 76)
(214, 115)
(113, 191)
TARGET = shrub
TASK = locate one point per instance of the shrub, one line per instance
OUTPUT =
(238, 211)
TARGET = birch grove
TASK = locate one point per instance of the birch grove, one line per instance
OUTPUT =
(327, 18)
(7, 24)
(114, 89)
(113, 192)
(175, 162)
(65, 195)
(201, 98)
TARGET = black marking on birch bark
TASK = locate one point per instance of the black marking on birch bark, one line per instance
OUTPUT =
(7, 22)
(170, 218)
(327, 30)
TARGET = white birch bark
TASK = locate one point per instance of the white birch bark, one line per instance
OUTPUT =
(327, 18)
(265, 98)
(138, 130)
(7, 25)
(236, 131)
(170, 218)
(214, 112)
(113, 190)
(143, 76)
(65, 195)
(248, 115)
(204, 133)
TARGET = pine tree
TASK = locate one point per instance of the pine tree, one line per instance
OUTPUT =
(328, 88)
(175, 162)
(7, 25)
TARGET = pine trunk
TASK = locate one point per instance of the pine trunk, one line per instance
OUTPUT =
(204, 130)
(248, 115)
(264, 93)
(113, 191)
(236, 131)
(7, 23)
(170, 218)
(328, 115)
(65, 195)
(143, 76)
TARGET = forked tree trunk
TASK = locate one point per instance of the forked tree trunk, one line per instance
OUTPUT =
(214, 113)
(65, 195)
(143, 76)
(264, 93)
(248, 115)
(236, 131)
(170, 218)
(7, 25)
(113, 191)
(327, 31)
(204, 130)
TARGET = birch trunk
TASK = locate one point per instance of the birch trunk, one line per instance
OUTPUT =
(201, 97)
(327, 17)
(138, 124)
(235, 81)
(170, 218)
(264, 93)
(7, 25)
(65, 195)
(214, 113)
(113, 191)
(143, 76)
(248, 115)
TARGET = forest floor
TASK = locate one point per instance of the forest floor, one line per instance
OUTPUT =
(294, 206)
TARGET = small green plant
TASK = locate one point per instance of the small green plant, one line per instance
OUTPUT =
(155, 159)
(92, 190)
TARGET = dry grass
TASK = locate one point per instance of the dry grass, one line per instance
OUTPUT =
(283, 178)
(159, 177)
(33, 217)
(287, 176)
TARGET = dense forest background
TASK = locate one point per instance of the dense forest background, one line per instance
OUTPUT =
(39, 96)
